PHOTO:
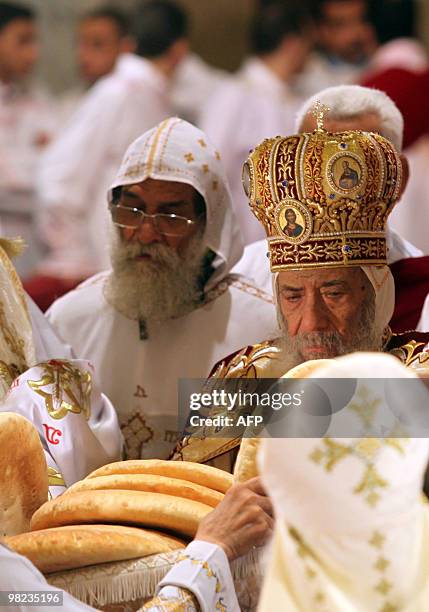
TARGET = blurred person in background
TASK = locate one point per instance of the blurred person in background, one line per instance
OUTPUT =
(192, 86)
(394, 22)
(346, 40)
(408, 88)
(400, 67)
(394, 19)
(25, 110)
(402, 71)
(79, 165)
(103, 35)
(26, 125)
(258, 103)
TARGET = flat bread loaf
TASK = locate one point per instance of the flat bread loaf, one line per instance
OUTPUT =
(151, 484)
(23, 473)
(71, 547)
(153, 510)
(204, 475)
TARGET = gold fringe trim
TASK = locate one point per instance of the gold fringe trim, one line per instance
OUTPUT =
(134, 585)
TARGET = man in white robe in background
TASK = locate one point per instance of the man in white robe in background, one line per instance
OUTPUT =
(26, 111)
(103, 35)
(193, 85)
(258, 103)
(169, 308)
(27, 123)
(350, 107)
(346, 39)
(79, 166)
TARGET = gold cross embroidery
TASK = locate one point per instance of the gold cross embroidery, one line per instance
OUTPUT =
(64, 389)
(377, 540)
(381, 564)
(388, 607)
(383, 587)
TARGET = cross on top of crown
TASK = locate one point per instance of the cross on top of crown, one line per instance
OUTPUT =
(319, 111)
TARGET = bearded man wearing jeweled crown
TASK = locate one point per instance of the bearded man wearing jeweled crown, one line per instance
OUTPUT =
(334, 290)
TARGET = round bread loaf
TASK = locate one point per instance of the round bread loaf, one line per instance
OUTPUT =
(23, 473)
(71, 547)
(306, 369)
(154, 510)
(200, 474)
(246, 466)
(151, 484)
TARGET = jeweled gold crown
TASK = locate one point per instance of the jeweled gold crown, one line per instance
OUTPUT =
(324, 198)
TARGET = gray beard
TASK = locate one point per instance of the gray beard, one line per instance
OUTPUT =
(364, 338)
(157, 289)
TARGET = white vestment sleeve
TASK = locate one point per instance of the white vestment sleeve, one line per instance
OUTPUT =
(204, 573)
(77, 424)
(203, 569)
(18, 574)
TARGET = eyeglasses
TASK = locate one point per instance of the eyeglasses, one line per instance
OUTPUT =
(132, 218)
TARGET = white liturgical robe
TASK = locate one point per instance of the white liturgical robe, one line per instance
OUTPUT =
(193, 83)
(27, 122)
(141, 376)
(77, 424)
(352, 528)
(248, 108)
(79, 166)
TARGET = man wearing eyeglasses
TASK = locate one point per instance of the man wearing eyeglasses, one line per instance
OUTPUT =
(169, 307)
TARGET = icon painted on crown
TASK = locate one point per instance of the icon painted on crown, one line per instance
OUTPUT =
(293, 221)
(345, 173)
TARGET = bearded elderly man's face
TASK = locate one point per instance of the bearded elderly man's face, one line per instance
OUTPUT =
(157, 259)
(155, 197)
(327, 313)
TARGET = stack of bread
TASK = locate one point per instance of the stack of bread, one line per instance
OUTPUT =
(124, 510)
